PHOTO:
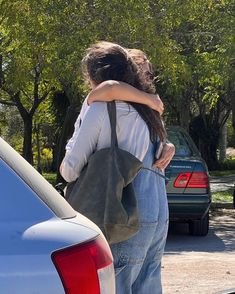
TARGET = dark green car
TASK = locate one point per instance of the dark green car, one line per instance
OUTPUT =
(188, 189)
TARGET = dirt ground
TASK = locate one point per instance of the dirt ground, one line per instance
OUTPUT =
(201, 265)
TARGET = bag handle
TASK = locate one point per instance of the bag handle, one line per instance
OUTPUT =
(113, 119)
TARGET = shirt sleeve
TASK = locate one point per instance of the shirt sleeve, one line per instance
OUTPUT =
(77, 125)
(84, 142)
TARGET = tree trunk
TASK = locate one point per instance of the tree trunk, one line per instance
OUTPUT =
(37, 130)
(233, 110)
(209, 153)
(27, 144)
(223, 143)
(206, 138)
(185, 115)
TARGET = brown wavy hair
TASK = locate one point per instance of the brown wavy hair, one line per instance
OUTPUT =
(109, 61)
(141, 59)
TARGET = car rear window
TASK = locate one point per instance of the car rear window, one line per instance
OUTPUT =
(36, 182)
(183, 146)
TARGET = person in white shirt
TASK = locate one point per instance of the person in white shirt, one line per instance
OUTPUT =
(110, 90)
(137, 261)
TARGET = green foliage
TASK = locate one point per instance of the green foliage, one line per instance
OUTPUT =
(221, 173)
(12, 127)
(223, 196)
(46, 159)
(27, 53)
(191, 44)
(204, 33)
(228, 164)
(50, 177)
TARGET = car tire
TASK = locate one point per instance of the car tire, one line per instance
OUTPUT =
(199, 227)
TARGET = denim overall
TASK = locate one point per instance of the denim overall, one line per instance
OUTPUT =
(137, 261)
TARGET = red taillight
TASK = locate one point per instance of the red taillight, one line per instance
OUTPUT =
(79, 266)
(192, 180)
(182, 180)
(198, 180)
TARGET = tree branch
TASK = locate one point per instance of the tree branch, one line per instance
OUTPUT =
(40, 100)
(225, 118)
(26, 95)
(23, 112)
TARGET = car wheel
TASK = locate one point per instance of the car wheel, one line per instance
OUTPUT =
(199, 227)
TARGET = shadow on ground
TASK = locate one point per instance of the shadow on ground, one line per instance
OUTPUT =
(221, 236)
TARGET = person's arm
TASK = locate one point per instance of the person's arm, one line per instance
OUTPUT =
(167, 154)
(77, 124)
(85, 141)
(115, 90)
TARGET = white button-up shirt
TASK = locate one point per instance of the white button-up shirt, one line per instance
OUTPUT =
(92, 132)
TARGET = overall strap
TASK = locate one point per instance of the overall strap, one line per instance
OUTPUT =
(113, 119)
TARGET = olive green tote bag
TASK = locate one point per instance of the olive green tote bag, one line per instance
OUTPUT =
(104, 192)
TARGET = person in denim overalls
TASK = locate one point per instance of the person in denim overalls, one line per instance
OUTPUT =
(137, 261)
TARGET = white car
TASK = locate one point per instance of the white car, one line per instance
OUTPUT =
(46, 246)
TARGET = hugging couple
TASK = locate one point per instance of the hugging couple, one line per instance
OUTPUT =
(125, 75)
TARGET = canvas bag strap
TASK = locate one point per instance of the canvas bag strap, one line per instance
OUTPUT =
(157, 173)
(114, 142)
(113, 119)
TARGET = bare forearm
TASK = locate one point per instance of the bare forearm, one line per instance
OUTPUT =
(103, 92)
(115, 90)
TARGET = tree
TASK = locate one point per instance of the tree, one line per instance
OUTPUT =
(11, 126)
(191, 45)
(25, 79)
(204, 32)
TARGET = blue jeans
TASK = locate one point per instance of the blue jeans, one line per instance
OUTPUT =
(137, 261)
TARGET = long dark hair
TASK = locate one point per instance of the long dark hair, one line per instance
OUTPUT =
(109, 61)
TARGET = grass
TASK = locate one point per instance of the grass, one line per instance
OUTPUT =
(221, 173)
(50, 177)
(223, 196)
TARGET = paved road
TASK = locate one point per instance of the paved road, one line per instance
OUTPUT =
(222, 183)
(201, 265)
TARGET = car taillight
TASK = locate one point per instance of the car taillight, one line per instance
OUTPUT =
(86, 268)
(192, 180)
(182, 180)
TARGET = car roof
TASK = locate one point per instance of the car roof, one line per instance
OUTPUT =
(36, 182)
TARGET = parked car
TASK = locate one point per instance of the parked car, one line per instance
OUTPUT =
(188, 189)
(46, 246)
